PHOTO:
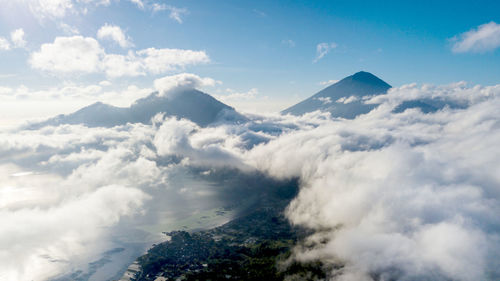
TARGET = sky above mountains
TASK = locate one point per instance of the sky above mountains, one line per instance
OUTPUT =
(59, 55)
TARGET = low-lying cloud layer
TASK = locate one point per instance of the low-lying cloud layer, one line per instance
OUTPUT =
(402, 196)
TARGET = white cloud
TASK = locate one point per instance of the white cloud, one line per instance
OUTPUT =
(17, 37)
(139, 3)
(322, 49)
(5, 91)
(59, 9)
(68, 29)
(120, 65)
(324, 100)
(85, 55)
(96, 2)
(346, 100)
(20, 104)
(105, 83)
(115, 33)
(290, 43)
(50, 8)
(407, 196)
(329, 82)
(4, 44)
(158, 7)
(484, 38)
(398, 195)
(182, 81)
(68, 54)
(175, 13)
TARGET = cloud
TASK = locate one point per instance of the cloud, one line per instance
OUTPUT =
(139, 3)
(78, 54)
(105, 83)
(68, 29)
(21, 103)
(115, 33)
(290, 43)
(398, 195)
(181, 82)
(322, 49)
(4, 44)
(324, 100)
(59, 9)
(406, 196)
(17, 37)
(120, 65)
(68, 54)
(175, 13)
(329, 82)
(260, 13)
(484, 38)
(116, 181)
(16, 40)
(50, 8)
(40, 254)
(346, 100)
(44, 205)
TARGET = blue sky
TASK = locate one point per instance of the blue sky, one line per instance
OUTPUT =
(264, 54)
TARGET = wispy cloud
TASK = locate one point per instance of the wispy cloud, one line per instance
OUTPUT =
(329, 82)
(4, 44)
(175, 13)
(260, 13)
(322, 49)
(482, 39)
(288, 42)
(68, 29)
(139, 3)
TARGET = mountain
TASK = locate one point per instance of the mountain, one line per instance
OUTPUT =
(191, 104)
(344, 98)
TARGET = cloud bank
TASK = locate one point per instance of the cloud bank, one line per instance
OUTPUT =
(405, 196)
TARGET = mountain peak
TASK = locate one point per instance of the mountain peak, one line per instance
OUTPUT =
(367, 78)
(344, 98)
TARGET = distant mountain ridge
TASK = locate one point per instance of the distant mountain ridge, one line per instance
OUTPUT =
(344, 98)
(190, 104)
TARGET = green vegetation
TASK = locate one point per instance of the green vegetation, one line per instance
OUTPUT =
(257, 245)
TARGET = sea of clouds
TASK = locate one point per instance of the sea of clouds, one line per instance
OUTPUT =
(391, 196)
